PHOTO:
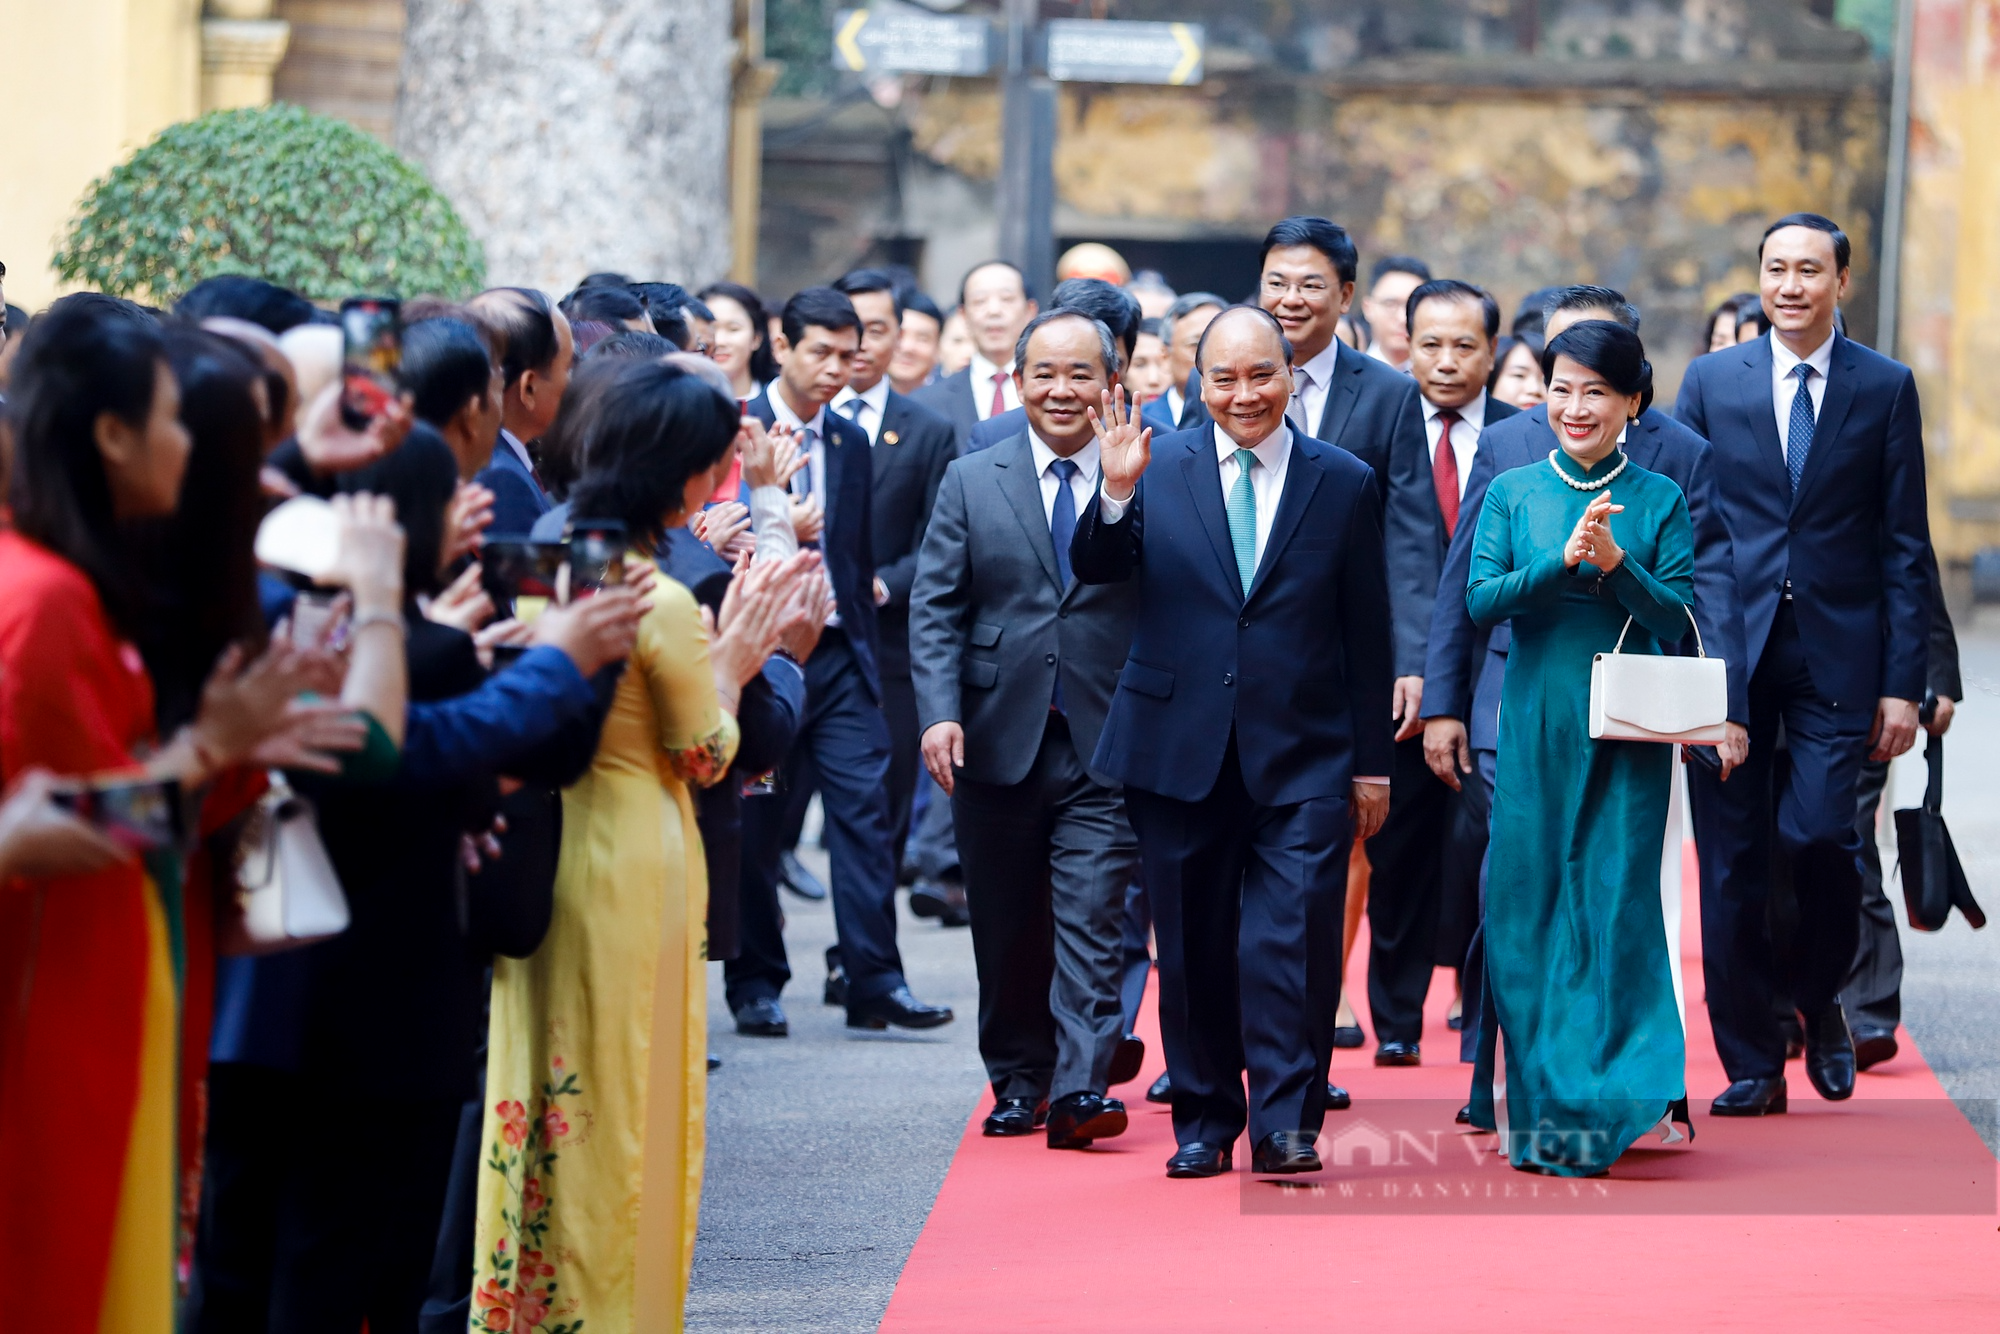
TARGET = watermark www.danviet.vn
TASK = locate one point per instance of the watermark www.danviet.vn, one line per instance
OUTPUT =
(1910, 1156)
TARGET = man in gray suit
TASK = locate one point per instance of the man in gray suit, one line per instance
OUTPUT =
(1015, 663)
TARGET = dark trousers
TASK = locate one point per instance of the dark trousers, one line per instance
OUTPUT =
(843, 750)
(448, 1295)
(1047, 861)
(1246, 916)
(1406, 862)
(1476, 804)
(899, 711)
(1735, 837)
(299, 1235)
(1873, 990)
(1138, 951)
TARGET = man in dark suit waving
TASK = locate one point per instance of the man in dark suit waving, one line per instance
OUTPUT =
(843, 743)
(1820, 464)
(1015, 664)
(1251, 730)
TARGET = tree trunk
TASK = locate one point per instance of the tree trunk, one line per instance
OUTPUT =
(575, 135)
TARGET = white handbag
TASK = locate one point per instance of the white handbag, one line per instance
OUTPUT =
(287, 893)
(1646, 697)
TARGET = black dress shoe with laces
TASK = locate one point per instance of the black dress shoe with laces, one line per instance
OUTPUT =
(1199, 1160)
(1125, 1062)
(794, 876)
(1830, 1054)
(762, 1018)
(899, 1008)
(1075, 1119)
(1015, 1116)
(1399, 1053)
(1872, 1046)
(1162, 1090)
(836, 979)
(1285, 1153)
(1337, 1098)
(1751, 1097)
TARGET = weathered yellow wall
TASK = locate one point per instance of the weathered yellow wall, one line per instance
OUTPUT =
(87, 81)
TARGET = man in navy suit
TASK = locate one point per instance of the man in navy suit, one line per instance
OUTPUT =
(536, 355)
(1250, 728)
(1820, 466)
(1464, 667)
(843, 743)
(997, 305)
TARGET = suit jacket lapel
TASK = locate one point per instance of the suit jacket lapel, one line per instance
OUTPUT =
(1302, 476)
(1642, 442)
(1833, 411)
(1754, 386)
(1023, 489)
(1340, 395)
(1202, 474)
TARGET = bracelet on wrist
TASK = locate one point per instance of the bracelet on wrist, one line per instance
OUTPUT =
(389, 618)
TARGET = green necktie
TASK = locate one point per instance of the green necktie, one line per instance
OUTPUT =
(1243, 519)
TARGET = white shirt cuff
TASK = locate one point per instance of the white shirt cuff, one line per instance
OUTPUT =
(1111, 511)
(771, 521)
(1379, 782)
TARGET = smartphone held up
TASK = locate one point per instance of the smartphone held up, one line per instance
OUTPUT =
(371, 357)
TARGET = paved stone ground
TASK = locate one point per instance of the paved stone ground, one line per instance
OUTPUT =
(826, 1149)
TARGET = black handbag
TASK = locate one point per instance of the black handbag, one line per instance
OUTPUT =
(1933, 881)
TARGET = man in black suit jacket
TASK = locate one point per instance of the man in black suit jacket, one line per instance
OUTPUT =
(1819, 447)
(1016, 662)
(843, 744)
(1250, 728)
(910, 446)
(1111, 306)
(997, 305)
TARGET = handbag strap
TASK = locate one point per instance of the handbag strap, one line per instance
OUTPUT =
(1699, 651)
(1934, 789)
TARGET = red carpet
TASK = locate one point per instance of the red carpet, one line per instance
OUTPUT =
(1878, 1213)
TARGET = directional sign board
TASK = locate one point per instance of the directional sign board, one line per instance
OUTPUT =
(1111, 51)
(911, 41)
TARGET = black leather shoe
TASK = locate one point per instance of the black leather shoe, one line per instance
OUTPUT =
(1830, 1054)
(1337, 1098)
(1398, 1053)
(1872, 1046)
(1162, 1090)
(942, 899)
(714, 1062)
(836, 979)
(1285, 1153)
(900, 1008)
(1075, 1119)
(1464, 1117)
(1199, 1160)
(1125, 1062)
(794, 876)
(1751, 1097)
(763, 1018)
(1015, 1116)
(1349, 1035)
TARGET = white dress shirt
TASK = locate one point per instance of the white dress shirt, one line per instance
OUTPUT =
(815, 469)
(1464, 435)
(1310, 383)
(513, 442)
(982, 387)
(1375, 351)
(1080, 486)
(1176, 402)
(1267, 482)
(1785, 385)
(874, 402)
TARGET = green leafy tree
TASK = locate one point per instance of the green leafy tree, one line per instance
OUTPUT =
(276, 192)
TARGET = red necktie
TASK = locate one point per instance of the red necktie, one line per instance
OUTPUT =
(999, 394)
(1444, 473)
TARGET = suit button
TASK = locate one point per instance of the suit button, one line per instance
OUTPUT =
(1050, 659)
(1229, 678)
(1242, 622)
(1063, 615)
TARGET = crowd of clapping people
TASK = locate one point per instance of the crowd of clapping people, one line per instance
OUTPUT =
(942, 572)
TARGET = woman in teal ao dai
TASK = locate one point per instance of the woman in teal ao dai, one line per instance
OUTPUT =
(1590, 1036)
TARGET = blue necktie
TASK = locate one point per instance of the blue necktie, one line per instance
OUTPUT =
(1243, 519)
(1062, 526)
(1799, 436)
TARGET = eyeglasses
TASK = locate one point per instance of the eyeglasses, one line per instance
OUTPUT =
(1309, 288)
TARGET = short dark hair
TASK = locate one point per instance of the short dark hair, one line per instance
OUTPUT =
(922, 304)
(1156, 327)
(15, 321)
(667, 304)
(445, 366)
(655, 427)
(1186, 305)
(1843, 250)
(1609, 348)
(1588, 296)
(816, 307)
(856, 281)
(1389, 264)
(1750, 309)
(525, 323)
(989, 263)
(1451, 289)
(632, 345)
(1322, 234)
(1533, 313)
(604, 304)
(1201, 347)
(245, 298)
(1107, 303)
(87, 354)
(604, 279)
(420, 475)
(1107, 349)
(763, 361)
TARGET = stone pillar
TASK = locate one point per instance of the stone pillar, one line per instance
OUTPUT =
(751, 79)
(576, 135)
(241, 45)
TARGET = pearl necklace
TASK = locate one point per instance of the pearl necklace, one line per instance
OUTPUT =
(1597, 485)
